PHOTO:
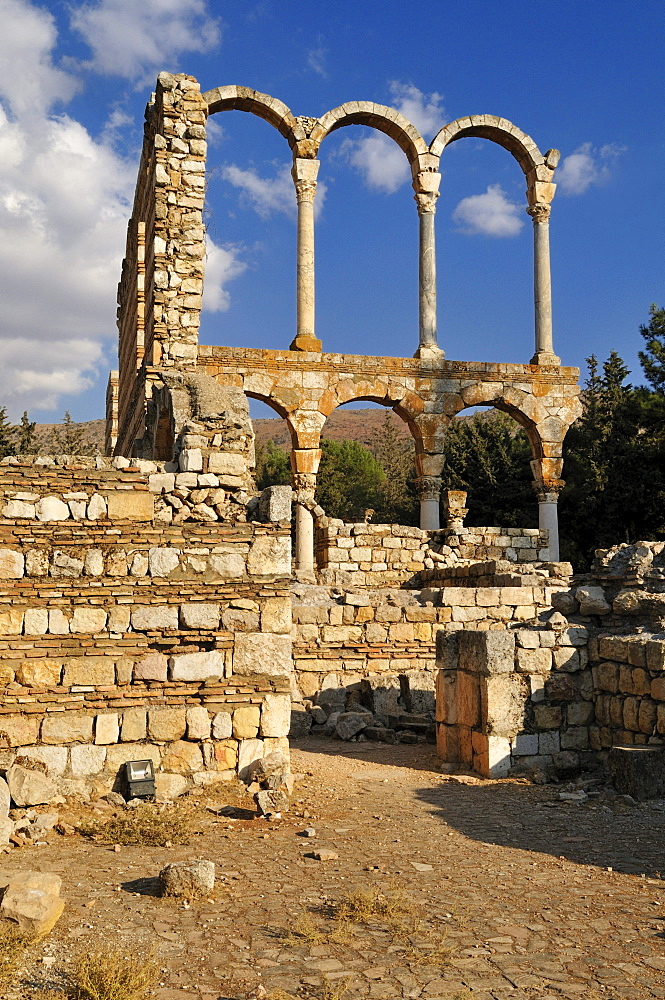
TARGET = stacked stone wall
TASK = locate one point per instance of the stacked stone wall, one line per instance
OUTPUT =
(124, 637)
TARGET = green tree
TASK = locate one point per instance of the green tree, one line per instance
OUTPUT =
(26, 438)
(273, 467)
(6, 434)
(70, 438)
(349, 480)
(653, 358)
(396, 502)
(488, 455)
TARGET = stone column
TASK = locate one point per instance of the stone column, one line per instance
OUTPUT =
(426, 186)
(454, 505)
(304, 173)
(548, 520)
(429, 491)
(542, 285)
(304, 488)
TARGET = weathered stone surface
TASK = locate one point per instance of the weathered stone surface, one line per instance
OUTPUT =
(486, 653)
(227, 464)
(29, 787)
(301, 722)
(18, 730)
(162, 561)
(381, 694)
(5, 798)
(67, 727)
(271, 801)
(96, 507)
(246, 722)
(18, 508)
(155, 617)
(222, 726)
(52, 509)
(226, 754)
(153, 667)
(35, 621)
(188, 879)
(248, 752)
(118, 755)
(182, 757)
(32, 901)
(38, 673)
(262, 653)
(65, 565)
(276, 715)
(166, 724)
(534, 661)
(592, 601)
(170, 786)
(107, 728)
(134, 725)
(93, 563)
(11, 621)
(274, 503)
(88, 620)
(87, 760)
(349, 724)
(6, 830)
(198, 723)
(89, 670)
(269, 557)
(276, 615)
(197, 666)
(200, 615)
(638, 771)
(131, 505)
(11, 564)
(228, 565)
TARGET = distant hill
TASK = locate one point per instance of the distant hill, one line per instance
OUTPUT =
(92, 429)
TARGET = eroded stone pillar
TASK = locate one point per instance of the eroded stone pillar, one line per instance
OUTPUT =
(429, 493)
(304, 173)
(304, 465)
(542, 285)
(426, 187)
(548, 517)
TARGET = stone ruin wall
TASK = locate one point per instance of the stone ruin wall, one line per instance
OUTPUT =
(127, 636)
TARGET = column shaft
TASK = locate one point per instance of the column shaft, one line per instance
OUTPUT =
(427, 283)
(304, 175)
(304, 540)
(542, 286)
(548, 520)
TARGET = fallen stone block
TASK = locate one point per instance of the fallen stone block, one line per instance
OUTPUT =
(29, 787)
(271, 801)
(349, 724)
(188, 879)
(638, 771)
(32, 901)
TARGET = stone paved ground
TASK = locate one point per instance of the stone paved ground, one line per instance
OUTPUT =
(531, 897)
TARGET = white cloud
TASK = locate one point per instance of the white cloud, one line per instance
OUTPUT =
(316, 61)
(65, 198)
(379, 159)
(489, 214)
(137, 38)
(267, 195)
(586, 166)
(222, 265)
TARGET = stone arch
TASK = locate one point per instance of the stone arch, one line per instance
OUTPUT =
(276, 113)
(517, 404)
(498, 130)
(377, 116)
(278, 406)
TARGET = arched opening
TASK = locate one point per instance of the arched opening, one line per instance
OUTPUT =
(272, 442)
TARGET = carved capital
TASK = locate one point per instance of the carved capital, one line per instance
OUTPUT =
(304, 486)
(428, 487)
(540, 212)
(304, 174)
(548, 492)
(426, 202)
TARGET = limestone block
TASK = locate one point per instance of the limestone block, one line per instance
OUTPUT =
(35, 621)
(228, 565)
(575, 738)
(155, 617)
(62, 564)
(29, 787)
(534, 661)
(166, 724)
(11, 564)
(647, 716)
(18, 730)
(52, 509)
(96, 507)
(276, 715)
(87, 760)
(67, 727)
(134, 725)
(197, 666)
(566, 658)
(592, 601)
(222, 726)
(200, 615)
(94, 562)
(36, 563)
(547, 716)
(55, 758)
(78, 509)
(118, 620)
(227, 464)
(87, 619)
(170, 786)
(657, 689)
(139, 564)
(276, 615)
(58, 622)
(269, 556)
(237, 620)
(525, 744)
(262, 653)
(606, 677)
(96, 670)
(5, 799)
(152, 667)
(226, 754)
(248, 752)
(581, 713)
(107, 728)
(549, 742)
(275, 503)
(486, 653)
(528, 639)
(161, 482)
(38, 673)
(182, 757)
(576, 635)
(246, 722)
(130, 505)
(11, 621)
(32, 901)
(655, 654)
(118, 755)
(198, 723)
(162, 561)
(191, 460)
(502, 699)
(18, 508)
(498, 757)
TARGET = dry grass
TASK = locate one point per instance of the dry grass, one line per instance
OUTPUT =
(146, 824)
(305, 930)
(335, 990)
(13, 944)
(111, 974)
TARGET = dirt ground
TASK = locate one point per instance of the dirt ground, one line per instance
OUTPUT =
(507, 892)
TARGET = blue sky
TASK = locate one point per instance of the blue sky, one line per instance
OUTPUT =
(585, 78)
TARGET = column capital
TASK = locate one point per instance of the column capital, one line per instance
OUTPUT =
(304, 486)
(428, 487)
(548, 492)
(540, 212)
(304, 173)
(426, 187)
